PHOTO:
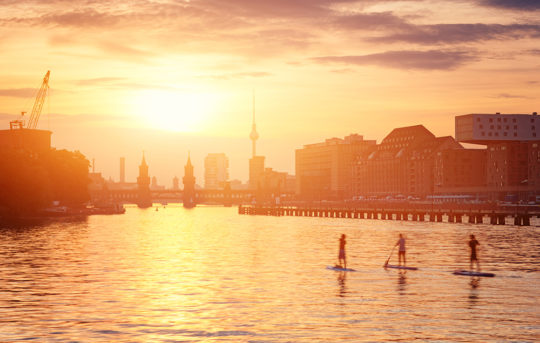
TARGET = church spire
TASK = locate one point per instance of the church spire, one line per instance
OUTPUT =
(253, 135)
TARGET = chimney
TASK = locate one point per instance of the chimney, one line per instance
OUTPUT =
(122, 169)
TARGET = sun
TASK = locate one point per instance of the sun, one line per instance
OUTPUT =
(180, 111)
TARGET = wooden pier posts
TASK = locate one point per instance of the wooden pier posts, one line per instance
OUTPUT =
(495, 218)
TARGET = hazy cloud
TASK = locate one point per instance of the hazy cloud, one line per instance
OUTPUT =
(459, 33)
(512, 4)
(18, 92)
(372, 21)
(427, 60)
(343, 71)
(509, 96)
(99, 81)
(83, 18)
(241, 75)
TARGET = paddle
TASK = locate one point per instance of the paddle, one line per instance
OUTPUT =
(386, 263)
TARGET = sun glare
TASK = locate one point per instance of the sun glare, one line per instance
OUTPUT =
(175, 110)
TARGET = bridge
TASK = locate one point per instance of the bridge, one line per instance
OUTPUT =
(226, 197)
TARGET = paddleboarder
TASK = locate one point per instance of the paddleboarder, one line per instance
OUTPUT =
(341, 255)
(472, 244)
(401, 253)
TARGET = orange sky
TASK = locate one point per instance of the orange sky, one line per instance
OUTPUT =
(170, 77)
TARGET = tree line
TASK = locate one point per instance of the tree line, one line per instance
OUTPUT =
(30, 182)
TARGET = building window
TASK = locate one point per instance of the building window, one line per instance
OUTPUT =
(481, 126)
(504, 120)
(477, 119)
(513, 120)
(533, 128)
(507, 127)
(515, 127)
(532, 120)
(489, 134)
(506, 134)
(496, 134)
(483, 133)
(515, 134)
(491, 127)
(534, 134)
(498, 119)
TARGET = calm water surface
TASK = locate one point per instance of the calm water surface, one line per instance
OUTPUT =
(209, 274)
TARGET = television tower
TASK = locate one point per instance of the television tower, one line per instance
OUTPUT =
(253, 135)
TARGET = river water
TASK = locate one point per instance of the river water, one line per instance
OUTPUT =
(209, 274)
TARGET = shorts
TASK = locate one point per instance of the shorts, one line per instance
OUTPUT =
(341, 253)
(473, 257)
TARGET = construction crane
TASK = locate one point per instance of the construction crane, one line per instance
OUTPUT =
(36, 110)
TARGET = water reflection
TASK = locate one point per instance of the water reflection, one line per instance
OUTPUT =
(342, 283)
(474, 292)
(402, 282)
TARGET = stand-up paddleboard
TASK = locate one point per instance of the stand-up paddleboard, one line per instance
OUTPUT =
(340, 269)
(472, 273)
(399, 267)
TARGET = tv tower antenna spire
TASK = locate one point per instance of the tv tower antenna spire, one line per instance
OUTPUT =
(253, 135)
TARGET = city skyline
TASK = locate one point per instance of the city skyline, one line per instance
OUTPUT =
(171, 77)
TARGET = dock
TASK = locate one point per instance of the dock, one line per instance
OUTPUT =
(478, 215)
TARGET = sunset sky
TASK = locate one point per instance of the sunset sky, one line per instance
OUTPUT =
(169, 77)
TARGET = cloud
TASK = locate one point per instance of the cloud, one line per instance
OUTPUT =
(121, 49)
(83, 18)
(18, 92)
(406, 59)
(524, 5)
(343, 71)
(459, 33)
(99, 81)
(120, 83)
(241, 75)
(371, 21)
(509, 96)
(274, 8)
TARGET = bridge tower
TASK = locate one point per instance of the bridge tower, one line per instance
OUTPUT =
(143, 181)
(189, 185)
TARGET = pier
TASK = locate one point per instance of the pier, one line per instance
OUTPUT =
(452, 214)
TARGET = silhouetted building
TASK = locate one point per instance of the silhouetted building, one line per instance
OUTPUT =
(237, 184)
(175, 183)
(325, 170)
(402, 165)
(189, 185)
(216, 171)
(533, 178)
(26, 139)
(143, 182)
(122, 169)
(256, 172)
(512, 162)
(154, 186)
(487, 128)
(460, 172)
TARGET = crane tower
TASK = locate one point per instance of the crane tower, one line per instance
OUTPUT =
(36, 109)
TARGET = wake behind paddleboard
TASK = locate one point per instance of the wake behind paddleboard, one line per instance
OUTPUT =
(472, 273)
(399, 267)
(339, 269)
